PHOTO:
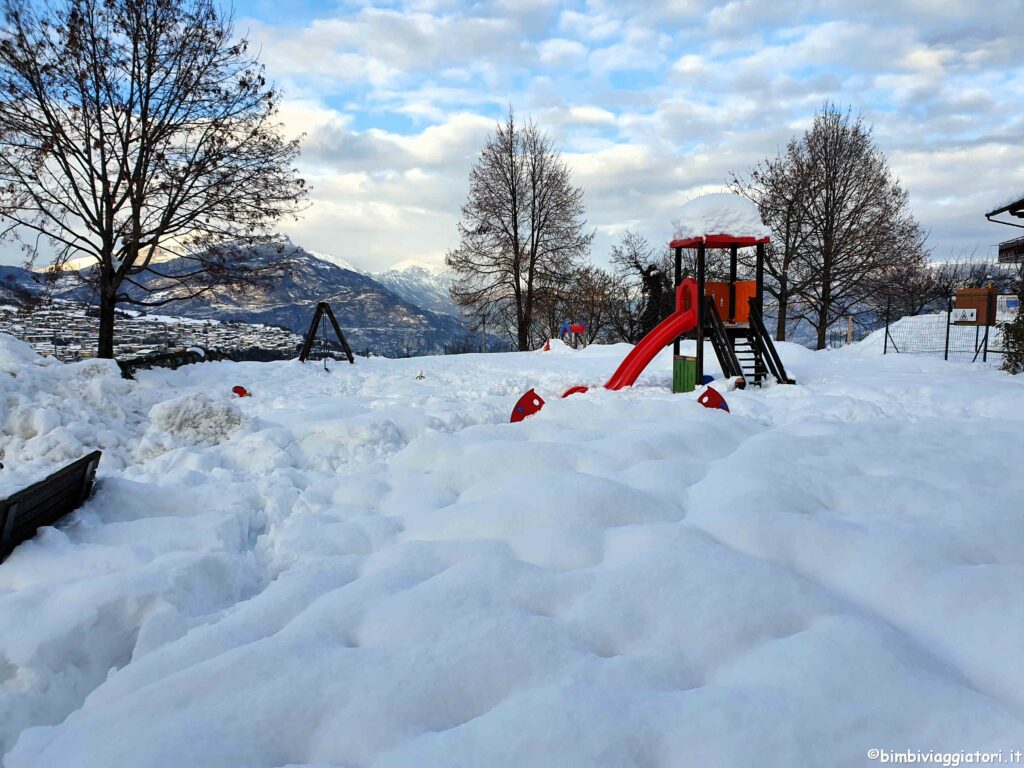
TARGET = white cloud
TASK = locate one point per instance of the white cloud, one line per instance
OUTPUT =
(589, 26)
(559, 51)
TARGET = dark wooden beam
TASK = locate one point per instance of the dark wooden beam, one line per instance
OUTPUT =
(700, 313)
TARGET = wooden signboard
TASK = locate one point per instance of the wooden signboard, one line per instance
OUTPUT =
(981, 300)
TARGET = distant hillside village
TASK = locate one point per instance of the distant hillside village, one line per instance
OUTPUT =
(66, 330)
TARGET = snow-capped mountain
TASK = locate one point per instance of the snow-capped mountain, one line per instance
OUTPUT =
(337, 261)
(419, 284)
(371, 314)
(425, 287)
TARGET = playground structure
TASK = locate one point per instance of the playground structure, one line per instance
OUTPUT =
(726, 313)
(730, 315)
(573, 333)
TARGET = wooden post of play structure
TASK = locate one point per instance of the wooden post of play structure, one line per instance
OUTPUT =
(678, 280)
(759, 277)
(733, 258)
(700, 313)
(849, 329)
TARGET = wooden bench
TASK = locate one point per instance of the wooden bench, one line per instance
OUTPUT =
(45, 502)
(170, 360)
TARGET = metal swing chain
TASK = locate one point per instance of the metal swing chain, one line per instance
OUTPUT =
(323, 343)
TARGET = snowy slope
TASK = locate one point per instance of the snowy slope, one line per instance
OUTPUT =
(336, 261)
(360, 568)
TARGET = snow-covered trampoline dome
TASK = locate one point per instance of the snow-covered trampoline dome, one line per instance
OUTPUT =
(720, 213)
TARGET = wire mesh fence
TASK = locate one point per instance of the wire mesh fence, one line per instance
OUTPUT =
(841, 336)
(941, 334)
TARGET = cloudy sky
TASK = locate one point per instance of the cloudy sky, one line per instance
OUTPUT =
(651, 104)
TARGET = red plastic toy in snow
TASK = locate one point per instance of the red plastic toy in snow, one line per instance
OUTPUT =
(710, 398)
(241, 391)
(527, 405)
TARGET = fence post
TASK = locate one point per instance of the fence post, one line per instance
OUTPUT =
(885, 344)
(949, 318)
(990, 318)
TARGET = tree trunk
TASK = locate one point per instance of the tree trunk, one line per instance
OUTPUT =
(823, 323)
(524, 333)
(105, 348)
(526, 323)
(780, 327)
(826, 290)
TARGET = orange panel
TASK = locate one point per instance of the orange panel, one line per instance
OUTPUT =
(745, 290)
(720, 292)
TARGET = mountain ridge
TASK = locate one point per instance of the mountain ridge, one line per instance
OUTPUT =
(373, 315)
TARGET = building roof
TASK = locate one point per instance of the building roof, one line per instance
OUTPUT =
(1015, 209)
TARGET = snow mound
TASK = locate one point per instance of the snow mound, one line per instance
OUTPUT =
(52, 414)
(557, 346)
(719, 213)
(16, 354)
(195, 419)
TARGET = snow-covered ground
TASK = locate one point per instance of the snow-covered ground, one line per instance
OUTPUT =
(361, 568)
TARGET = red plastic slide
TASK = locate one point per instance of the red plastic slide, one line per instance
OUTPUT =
(683, 320)
(679, 322)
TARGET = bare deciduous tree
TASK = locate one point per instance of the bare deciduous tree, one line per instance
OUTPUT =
(591, 300)
(132, 131)
(521, 231)
(858, 216)
(970, 272)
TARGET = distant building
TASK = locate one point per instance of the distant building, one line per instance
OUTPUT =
(1010, 251)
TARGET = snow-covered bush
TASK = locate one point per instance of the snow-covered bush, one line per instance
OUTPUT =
(1013, 337)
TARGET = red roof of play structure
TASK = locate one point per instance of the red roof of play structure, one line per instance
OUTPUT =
(718, 241)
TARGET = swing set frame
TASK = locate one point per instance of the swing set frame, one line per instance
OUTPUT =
(323, 308)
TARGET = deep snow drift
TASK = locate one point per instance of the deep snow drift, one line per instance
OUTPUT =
(361, 568)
